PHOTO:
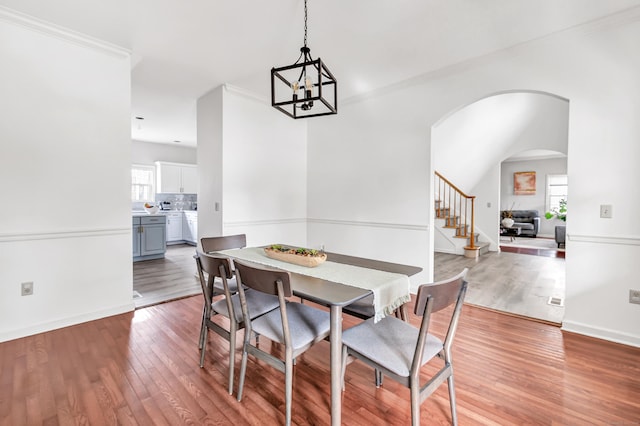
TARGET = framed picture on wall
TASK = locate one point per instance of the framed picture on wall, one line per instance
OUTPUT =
(524, 183)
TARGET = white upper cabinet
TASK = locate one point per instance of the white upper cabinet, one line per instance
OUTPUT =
(176, 178)
(190, 179)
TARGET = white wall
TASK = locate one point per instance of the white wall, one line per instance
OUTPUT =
(264, 162)
(65, 159)
(378, 151)
(148, 153)
(369, 177)
(537, 201)
(210, 167)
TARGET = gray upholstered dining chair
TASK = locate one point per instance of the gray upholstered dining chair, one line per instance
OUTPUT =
(229, 306)
(399, 350)
(212, 244)
(294, 325)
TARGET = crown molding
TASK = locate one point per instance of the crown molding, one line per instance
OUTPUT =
(38, 25)
(245, 93)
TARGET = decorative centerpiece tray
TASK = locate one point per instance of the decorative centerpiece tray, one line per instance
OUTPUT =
(298, 256)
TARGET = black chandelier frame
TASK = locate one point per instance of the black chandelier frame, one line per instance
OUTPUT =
(311, 77)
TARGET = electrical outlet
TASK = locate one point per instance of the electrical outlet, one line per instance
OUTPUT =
(27, 288)
(605, 211)
(634, 296)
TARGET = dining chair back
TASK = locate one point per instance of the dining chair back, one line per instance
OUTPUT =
(227, 242)
(212, 244)
(229, 306)
(292, 324)
(399, 350)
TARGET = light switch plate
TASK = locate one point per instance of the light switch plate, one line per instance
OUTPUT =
(605, 211)
(634, 296)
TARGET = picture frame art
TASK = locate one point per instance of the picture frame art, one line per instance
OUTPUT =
(524, 183)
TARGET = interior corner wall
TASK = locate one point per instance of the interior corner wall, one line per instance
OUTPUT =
(65, 165)
(369, 181)
(264, 163)
(370, 166)
(210, 165)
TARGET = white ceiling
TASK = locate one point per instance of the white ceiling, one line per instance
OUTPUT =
(184, 48)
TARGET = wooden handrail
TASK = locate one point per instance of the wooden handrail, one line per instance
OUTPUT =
(453, 186)
(450, 203)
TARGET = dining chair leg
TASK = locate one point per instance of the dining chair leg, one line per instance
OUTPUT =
(452, 400)
(232, 357)
(288, 387)
(202, 327)
(378, 378)
(415, 403)
(203, 346)
(344, 365)
(243, 370)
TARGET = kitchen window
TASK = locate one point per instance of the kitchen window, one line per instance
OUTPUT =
(142, 178)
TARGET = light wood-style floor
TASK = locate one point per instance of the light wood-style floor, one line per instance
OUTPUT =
(520, 284)
(160, 280)
(143, 368)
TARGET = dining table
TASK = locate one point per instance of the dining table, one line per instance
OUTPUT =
(338, 282)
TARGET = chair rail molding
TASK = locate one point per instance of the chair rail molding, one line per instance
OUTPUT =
(60, 234)
(605, 239)
(387, 225)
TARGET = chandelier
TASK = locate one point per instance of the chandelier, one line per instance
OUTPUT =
(305, 89)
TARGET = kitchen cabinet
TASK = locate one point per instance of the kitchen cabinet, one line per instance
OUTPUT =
(174, 227)
(149, 237)
(176, 178)
(190, 227)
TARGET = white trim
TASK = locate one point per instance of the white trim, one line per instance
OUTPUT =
(602, 239)
(601, 333)
(35, 24)
(66, 322)
(246, 93)
(406, 226)
(266, 222)
(55, 235)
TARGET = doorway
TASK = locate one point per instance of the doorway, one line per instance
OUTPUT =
(470, 147)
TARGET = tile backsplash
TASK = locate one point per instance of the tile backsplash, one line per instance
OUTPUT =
(172, 202)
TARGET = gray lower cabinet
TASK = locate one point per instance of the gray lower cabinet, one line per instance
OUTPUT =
(149, 237)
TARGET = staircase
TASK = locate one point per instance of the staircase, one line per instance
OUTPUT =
(454, 215)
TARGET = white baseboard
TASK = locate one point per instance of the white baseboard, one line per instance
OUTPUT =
(601, 333)
(65, 322)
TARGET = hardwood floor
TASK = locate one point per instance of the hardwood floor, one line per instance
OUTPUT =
(143, 368)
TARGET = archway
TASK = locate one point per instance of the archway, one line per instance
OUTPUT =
(470, 144)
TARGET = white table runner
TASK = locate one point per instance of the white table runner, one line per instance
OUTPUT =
(390, 290)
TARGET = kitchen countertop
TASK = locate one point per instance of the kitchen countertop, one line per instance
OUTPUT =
(144, 213)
